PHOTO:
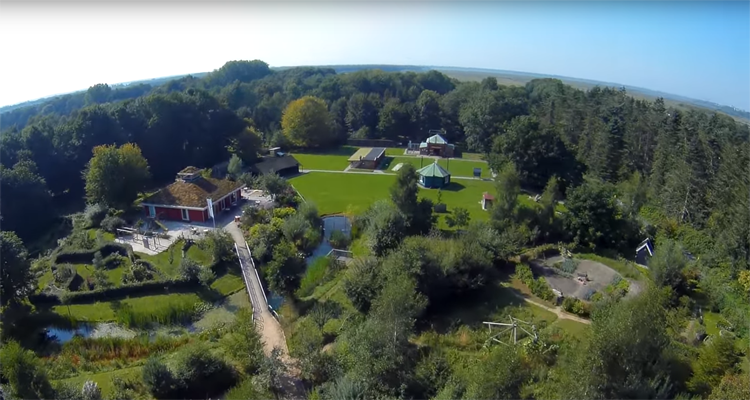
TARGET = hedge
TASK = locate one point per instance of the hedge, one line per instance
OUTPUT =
(127, 290)
(85, 256)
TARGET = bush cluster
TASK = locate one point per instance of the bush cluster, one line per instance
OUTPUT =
(576, 306)
(85, 256)
(538, 287)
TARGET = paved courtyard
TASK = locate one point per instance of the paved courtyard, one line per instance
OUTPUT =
(599, 276)
(177, 230)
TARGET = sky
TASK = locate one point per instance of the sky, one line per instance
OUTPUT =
(694, 49)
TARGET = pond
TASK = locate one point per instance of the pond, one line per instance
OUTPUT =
(330, 224)
(108, 329)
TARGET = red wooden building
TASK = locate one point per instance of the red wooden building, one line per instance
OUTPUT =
(187, 198)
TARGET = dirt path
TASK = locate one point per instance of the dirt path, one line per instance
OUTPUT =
(558, 311)
(269, 328)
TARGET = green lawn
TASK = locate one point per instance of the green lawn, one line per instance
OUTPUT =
(114, 275)
(161, 260)
(104, 379)
(572, 327)
(455, 166)
(109, 237)
(228, 283)
(353, 193)
(394, 151)
(322, 161)
(102, 311)
(336, 193)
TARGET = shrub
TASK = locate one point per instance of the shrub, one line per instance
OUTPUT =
(139, 271)
(206, 276)
(189, 269)
(254, 215)
(98, 261)
(310, 240)
(65, 275)
(309, 211)
(111, 224)
(575, 306)
(283, 212)
(201, 373)
(524, 274)
(114, 260)
(158, 379)
(221, 244)
(569, 265)
(339, 240)
(94, 214)
(538, 287)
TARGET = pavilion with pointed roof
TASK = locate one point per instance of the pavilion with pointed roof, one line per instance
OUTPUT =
(434, 176)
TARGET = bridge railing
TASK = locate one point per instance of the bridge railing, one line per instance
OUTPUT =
(262, 290)
(257, 317)
(340, 253)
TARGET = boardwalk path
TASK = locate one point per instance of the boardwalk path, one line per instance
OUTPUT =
(269, 328)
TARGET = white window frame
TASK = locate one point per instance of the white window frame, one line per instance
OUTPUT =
(185, 214)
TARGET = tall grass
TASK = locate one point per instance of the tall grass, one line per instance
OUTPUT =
(169, 314)
(316, 274)
(110, 348)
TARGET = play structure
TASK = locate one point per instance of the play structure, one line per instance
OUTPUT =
(511, 330)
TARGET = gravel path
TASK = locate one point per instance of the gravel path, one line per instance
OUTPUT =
(559, 312)
(269, 328)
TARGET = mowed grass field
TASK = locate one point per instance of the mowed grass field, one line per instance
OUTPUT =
(337, 160)
(352, 193)
(456, 166)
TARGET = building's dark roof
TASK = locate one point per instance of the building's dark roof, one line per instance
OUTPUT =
(275, 164)
(194, 193)
(367, 154)
(647, 245)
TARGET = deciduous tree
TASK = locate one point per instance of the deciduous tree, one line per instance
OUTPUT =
(307, 123)
(114, 176)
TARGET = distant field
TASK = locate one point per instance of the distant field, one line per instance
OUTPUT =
(520, 80)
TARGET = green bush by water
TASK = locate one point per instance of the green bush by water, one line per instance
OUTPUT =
(317, 273)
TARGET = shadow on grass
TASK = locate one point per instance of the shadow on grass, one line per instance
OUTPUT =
(471, 308)
(454, 187)
(340, 151)
(386, 163)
